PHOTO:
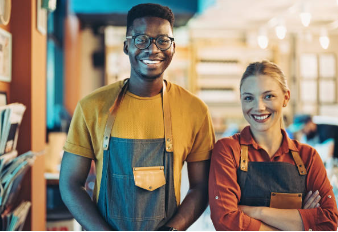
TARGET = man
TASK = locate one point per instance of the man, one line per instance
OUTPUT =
(139, 132)
(317, 133)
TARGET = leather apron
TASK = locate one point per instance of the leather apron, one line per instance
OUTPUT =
(271, 184)
(137, 186)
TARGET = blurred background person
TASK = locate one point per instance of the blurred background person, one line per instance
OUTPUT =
(319, 132)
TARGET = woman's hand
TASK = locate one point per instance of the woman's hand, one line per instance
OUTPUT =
(311, 200)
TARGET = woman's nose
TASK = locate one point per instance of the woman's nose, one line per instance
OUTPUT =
(260, 105)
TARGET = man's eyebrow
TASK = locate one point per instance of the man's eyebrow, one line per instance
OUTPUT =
(247, 93)
(142, 33)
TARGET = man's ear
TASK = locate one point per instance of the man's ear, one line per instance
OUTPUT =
(125, 47)
(174, 46)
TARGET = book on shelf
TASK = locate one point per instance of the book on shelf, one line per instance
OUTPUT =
(13, 220)
(10, 120)
(12, 171)
(11, 174)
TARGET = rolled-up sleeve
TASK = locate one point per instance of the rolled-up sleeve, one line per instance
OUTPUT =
(79, 140)
(324, 217)
(224, 191)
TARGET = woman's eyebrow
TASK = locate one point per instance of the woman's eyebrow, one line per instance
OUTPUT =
(268, 91)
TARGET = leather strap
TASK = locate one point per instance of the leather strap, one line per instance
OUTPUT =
(166, 118)
(244, 158)
(299, 162)
(244, 161)
(112, 115)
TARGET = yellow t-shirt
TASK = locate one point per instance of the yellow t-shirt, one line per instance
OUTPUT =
(142, 118)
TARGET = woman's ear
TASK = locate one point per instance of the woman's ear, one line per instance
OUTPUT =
(125, 47)
(286, 98)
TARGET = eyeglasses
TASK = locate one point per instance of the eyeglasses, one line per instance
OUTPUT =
(142, 42)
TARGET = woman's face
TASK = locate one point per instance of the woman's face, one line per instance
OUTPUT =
(262, 101)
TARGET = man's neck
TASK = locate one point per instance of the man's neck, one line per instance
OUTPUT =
(145, 88)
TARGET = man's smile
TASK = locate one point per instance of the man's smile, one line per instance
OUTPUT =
(151, 63)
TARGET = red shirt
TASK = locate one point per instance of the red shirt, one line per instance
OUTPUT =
(225, 193)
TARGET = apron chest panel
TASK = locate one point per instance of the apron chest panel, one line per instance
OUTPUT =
(260, 179)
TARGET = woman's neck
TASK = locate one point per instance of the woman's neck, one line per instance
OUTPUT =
(270, 140)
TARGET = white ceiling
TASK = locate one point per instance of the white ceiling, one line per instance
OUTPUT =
(251, 15)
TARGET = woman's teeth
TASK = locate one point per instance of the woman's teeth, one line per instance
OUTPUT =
(261, 117)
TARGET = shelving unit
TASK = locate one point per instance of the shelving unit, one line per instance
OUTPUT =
(218, 66)
(28, 86)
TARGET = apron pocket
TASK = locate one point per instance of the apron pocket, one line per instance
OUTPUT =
(149, 178)
(286, 200)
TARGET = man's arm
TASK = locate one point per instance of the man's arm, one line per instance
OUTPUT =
(196, 200)
(73, 175)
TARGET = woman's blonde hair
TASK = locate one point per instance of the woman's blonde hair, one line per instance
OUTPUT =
(266, 68)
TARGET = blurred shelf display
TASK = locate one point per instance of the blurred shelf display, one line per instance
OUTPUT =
(318, 83)
(218, 65)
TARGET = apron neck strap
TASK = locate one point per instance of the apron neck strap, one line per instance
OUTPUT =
(167, 120)
(244, 158)
(166, 117)
(296, 157)
(299, 162)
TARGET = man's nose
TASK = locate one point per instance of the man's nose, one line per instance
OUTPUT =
(153, 47)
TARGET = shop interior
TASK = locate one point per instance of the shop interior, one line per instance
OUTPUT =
(55, 52)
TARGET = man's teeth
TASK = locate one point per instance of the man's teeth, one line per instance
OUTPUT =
(261, 117)
(151, 61)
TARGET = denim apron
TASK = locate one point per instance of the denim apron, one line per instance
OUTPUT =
(124, 205)
(260, 181)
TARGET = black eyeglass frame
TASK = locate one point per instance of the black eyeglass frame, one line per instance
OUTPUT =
(151, 39)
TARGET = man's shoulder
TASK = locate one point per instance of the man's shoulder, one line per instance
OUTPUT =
(103, 95)
(186, 98)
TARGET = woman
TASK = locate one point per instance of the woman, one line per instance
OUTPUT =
(262, 167)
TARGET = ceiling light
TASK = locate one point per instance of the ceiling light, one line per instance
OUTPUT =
(324, 40)
(280, 31)
(263, 40)
(305, 17)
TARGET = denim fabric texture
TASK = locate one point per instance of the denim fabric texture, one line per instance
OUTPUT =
(263, 178)
(126, 206)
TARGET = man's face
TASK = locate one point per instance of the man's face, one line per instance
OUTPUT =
(151, 62)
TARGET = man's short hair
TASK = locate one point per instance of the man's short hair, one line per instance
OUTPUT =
(149, 10)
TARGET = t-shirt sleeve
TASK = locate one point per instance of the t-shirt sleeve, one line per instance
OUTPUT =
(79, 140)
(225, 192)
(204, 141)
(324, 217)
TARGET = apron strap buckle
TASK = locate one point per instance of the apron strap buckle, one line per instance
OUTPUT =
(244, 158)
(299, 162)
